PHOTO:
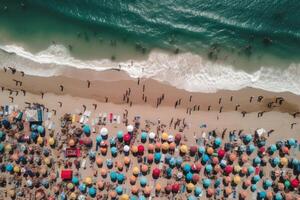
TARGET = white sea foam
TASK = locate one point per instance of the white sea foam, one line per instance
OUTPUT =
(185, 71)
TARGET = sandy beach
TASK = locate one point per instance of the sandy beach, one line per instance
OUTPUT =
(106, 90)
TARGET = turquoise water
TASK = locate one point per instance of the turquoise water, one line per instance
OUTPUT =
(256, 31)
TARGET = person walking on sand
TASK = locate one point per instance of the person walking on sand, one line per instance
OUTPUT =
(88, 83)
(231, 98)
(13, 70)
(244, 113)
(259, 98)
(250, 100)
(237, 106)
(60, 104)
(22, 73)
(95, 106)
(84, 107)
(24, 92)
(221, 108)
(61, 88)
(209, 107)
(42, 94)
(191, 98)
(220, 100)
(5, 69)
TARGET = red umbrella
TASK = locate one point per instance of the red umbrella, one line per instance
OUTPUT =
(141, 149)
(295, 183)
(127, 137)
(195, 178)
(228, 169)
(262, 149)
(221, 153)
(193, 150)
(156, 172)
(168, 188)
(175, 187)
(177, 137)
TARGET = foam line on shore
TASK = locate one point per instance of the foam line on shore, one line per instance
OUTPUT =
(185, 71)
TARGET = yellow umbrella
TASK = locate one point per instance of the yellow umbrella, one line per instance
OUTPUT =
(183, 148)
(70, 186)
(17, 169)
(165, 146)
(136, 171)
(236, 179)
(47, 161)
(88, 180)
(164, 136)
(124, 197)
(190, 186)
(134, 149)
(237, 168)
(158, 187)
(40, 140)
(51, 141)
(7, 147)
(284, 161)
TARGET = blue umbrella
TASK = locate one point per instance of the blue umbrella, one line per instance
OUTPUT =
(92, 154)
(275, 161)
(179, 161)
(99, 139)
(218, 142)
(205, 158)
(257, 160)
(45, 183)
(248, 138)
(189, 177)
(75, 180)
(92, 191)
(157, 156)
(217, 183)
(113, 176)
(114, 150)
(253, 188)
(278, 196)
(119, 190)
(206, 183)
(86, 129)
(201, 150)
(120, 135)
(172, 162)
(6, 123)
(255, 178)
(144, 136)
(292, 142)
(273, 148)
(2, 135)
(250, 170)
(34, 135)
(9, 167)
(133, 198)
(187, 168)
(197, 191)
(250, 148)
(109, 163)
(120, 178)
(112, 141)
(295, 162)
(267, 183)
(262, 194)
(40, 129)
(82, 187)
(143, 181)
(168, 157)
(142, 197)
(208, 168)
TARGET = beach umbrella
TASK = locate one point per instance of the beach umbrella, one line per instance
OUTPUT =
(104, 132)
(269, 195)
(208, 168)
(120, 178)
(40, 140)
(195, 178)
(132, 180)
(157, 187)
(134, 189)
(247, 183)
(253, 188)
(144, 168)
(103, 172)
(295, 183)
(205, 158)
(218, 142)
(256, 178)
(197, 191)
(119, 190)
(127, 137)
(51, 141)
(172, 162)
(186, 168)
(228, 169)
(9, 167)
(215, 160)
(2, 135)
(273, 148)
(291, 141)
(157, 156)
(183, 149)
(175, 187)
(87, 141)
(141, 149)
(88, 181)
(242, 194)
(164, 136)
(92, 154)
(287, 183)
(114, 150)
(268, 183)
(206, 183)
(247, 138)
(275, 161)
(284, 161)
(157, 146)
(124, 197)
(278, 196)
(179, 161)
(257, 160)
(120, 135)
(113, 176)
(151, 135)
(92, 191)
(150, 158)
(135, 171)
(147, 191)
(1, 147)
(250, 170)
(193, 150)
(177, 137)
(172, 146)
(190, 187)
(236, 179)
(130, 128)
(156, 173)
(127, 160)
(112, 141)
(113, 194)
(188, 177)
(6, 124)
(280, 186)
(134, 149)
(210, 192)
(232, 157)
(98, 139)
(100, 185)
(237, 168)
(171, 138)
(73, 196)
(70, 186)
(221, 153)
(144, 136)
(150, 148)
(262, 194)
(82, 187)
(168, 188)
(75, 180)
(250, 148)
(86, 129)
(99, 161)
(209, 150)
(228, 191)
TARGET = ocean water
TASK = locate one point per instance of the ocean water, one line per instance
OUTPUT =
(198, 45)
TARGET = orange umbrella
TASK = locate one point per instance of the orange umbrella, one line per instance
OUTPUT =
(100, 185)
(285, 149)
(227, 179)
(150, 147)
(244, 170)
(210, 150)
(71, 143)
(210, 191)
(172, 146)
(247, 183)
(132, 180)
(244, 159)
(232, 157)
(103, 172)
(165, 146)
(243, 194)
(135, 189)
(147, 190)
(158, 187)
(269, 195)
(217, 168)
(112, 194)
(99, 161)
(103, 150)
(127, 160)
(120, 165)
(215, 160)
(144, 168)
(157, 146)
(134, 149)
(228, 191)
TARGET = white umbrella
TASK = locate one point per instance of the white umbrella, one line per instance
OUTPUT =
(179, 175)
(81, 197)
(260, 132)
(29, 183)
(151, 135)
(129, 128)
(126, 148)
(171, 138)
(104, 131)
